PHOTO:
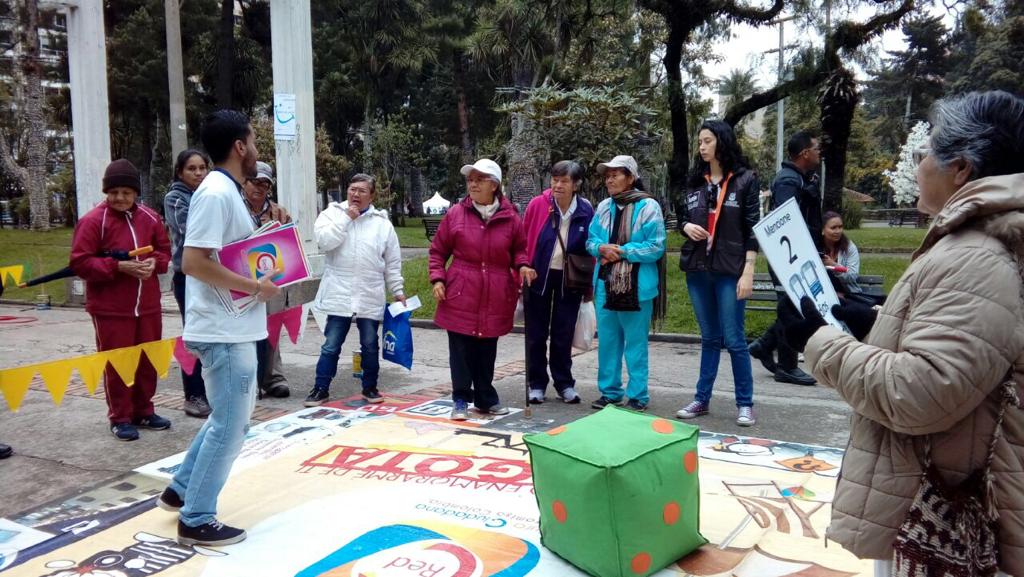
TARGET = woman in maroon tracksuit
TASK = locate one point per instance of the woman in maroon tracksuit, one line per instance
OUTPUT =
(123, 296)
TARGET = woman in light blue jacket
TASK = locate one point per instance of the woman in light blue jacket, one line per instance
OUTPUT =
(627, 235)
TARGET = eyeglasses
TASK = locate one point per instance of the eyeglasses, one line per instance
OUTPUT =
(260, 183)
(920, 153)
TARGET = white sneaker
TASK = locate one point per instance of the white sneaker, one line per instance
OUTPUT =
(745, 418)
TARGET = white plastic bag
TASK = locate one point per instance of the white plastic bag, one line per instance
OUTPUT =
(586, 325)
(519, 318)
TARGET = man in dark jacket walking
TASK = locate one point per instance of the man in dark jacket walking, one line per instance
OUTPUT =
(796, 179)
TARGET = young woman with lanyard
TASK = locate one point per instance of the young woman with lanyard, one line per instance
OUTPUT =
(717, 218)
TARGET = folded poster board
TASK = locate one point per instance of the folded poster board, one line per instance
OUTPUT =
(794, 259)
(274, 251)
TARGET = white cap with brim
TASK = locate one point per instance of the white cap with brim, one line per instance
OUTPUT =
(484, 166)
(264, 172)
(621, 161)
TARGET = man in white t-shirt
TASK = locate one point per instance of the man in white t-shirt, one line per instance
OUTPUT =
(224, 342)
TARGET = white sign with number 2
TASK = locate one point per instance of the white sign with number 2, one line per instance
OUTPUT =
(787, 245)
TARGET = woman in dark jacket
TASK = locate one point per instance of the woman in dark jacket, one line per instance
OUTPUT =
(717, 219)
(556, 224)
(190, 169)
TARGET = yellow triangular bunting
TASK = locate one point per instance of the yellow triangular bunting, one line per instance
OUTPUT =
(56, 376)
(125, 361)
(159, 355)
(14, 384)
(15, 271)
(90, 367)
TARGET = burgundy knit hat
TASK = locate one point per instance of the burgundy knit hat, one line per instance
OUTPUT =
(122, 172)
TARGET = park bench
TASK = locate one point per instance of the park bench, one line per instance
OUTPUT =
(430, 224)
(898, 216)
(764, 290)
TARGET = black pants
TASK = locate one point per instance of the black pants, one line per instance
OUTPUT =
(774, 338)
(552, 313)
(472, 364)
(193, 384)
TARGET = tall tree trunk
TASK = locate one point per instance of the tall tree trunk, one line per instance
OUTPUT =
(463, 108)
(35, 148)
(415, 192)
(838, 101)
(523, 176)
(226, 54)
(679, 162)
(146, 194)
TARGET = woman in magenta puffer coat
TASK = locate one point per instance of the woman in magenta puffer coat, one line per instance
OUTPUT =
(477, 292)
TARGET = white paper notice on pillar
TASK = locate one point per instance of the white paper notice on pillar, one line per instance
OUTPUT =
(285, 124)
(787, 245)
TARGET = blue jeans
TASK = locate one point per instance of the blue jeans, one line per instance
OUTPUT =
(231, 390)
(720, 317)
(334, 337)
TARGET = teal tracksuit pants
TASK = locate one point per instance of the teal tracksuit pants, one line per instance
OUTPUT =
(622, 334)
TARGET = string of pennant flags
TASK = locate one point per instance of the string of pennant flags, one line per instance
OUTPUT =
(56, 375)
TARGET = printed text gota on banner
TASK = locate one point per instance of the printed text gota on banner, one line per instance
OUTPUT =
(791, 253)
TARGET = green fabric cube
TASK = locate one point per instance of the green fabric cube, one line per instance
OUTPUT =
(618, 492)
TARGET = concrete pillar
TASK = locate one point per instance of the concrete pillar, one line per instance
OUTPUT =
(90, 114)
(87, 63)
(175, 78)
(292, 49)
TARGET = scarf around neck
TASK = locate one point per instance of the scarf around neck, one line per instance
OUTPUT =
(487, 210)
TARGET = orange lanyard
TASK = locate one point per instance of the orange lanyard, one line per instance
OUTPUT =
(718, 205)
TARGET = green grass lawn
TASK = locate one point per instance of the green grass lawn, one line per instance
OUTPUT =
(40, 253)
(412, 235)
(680, 311)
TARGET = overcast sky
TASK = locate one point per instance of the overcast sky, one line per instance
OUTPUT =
(745, 50)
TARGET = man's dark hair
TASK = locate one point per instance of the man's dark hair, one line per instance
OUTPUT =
(220, 131)
(799, 142)
(363, 177)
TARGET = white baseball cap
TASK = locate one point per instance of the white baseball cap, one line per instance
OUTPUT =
(621, 161)
(484, 166)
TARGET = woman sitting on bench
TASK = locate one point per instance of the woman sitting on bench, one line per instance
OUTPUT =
(843, 260)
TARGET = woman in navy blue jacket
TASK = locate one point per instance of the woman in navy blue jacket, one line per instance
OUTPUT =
(556, 223)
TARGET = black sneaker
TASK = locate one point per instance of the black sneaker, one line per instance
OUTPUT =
(604, 402)
(277, 391)
(170, 501)
(5, 451)
(154, 422)
(372, 396)
(212, 534)
(316, 397)
(635, 405)
(124, 431)
(794, 376)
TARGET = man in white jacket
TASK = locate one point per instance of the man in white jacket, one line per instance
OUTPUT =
(362, 259)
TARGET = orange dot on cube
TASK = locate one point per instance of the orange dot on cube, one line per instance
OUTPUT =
(662, 426)
(671, 513)
(690, 461)
(557, 430)
(560, 512)
(641, 563)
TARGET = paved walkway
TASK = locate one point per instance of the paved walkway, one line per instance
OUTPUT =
(62, 450)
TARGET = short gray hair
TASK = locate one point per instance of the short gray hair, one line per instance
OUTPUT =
(983, 128)
(363, 177)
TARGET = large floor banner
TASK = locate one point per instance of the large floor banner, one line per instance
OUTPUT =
(347, 493)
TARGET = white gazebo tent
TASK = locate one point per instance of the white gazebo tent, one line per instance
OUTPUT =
(436, 205)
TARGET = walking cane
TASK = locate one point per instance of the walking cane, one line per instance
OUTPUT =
(528, 411)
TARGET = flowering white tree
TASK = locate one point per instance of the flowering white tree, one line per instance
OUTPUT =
(902, 179)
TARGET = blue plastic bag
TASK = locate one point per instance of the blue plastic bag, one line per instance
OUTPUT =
(397, 346)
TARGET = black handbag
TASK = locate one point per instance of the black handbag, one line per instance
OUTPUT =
(577, 269)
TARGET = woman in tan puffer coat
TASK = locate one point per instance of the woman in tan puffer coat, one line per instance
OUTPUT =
(949, 333)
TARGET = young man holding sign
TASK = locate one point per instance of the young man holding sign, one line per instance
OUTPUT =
(796, 179)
